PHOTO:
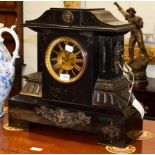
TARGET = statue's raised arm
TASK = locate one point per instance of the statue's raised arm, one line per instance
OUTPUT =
(128, 17)
(123, 12)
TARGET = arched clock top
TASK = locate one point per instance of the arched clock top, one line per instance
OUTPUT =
(79, 19)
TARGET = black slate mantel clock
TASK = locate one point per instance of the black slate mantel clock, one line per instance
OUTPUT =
(79, 84)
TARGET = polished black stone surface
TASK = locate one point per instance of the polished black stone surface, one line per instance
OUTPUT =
(98, 101)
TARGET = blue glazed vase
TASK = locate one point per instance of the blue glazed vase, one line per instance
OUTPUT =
(7, 67)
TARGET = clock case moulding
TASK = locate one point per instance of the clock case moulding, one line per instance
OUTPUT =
(97, 102)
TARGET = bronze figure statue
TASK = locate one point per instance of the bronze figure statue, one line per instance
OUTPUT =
(138, 64)
(136, 32)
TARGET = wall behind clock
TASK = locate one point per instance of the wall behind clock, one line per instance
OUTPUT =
(33, 9)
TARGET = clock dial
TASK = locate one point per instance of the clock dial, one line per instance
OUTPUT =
(65, 59)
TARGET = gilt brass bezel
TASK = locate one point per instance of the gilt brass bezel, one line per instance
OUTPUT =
(49, 65)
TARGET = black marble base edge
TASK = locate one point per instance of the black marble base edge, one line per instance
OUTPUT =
(31, 100)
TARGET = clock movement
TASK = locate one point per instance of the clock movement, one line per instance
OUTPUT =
(79, 84)
(65, 59)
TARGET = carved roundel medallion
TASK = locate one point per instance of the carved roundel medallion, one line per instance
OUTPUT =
(67, 17)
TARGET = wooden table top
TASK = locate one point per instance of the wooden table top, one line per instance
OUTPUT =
(56, 140)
